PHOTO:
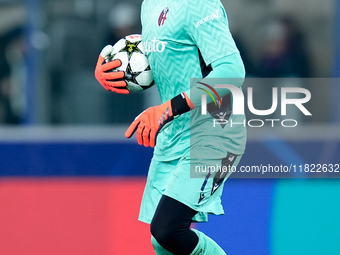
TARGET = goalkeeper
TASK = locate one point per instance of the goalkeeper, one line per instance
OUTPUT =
(197, 44)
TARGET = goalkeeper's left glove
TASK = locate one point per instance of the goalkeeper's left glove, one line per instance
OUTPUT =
(152, 120)
(106, 74)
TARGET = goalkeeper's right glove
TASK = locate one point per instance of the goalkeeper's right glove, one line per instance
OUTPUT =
(148, 124)
(106, 75)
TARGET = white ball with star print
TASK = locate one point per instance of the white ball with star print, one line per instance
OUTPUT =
(130, 52)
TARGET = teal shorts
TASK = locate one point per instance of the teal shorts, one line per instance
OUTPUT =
(197, 183)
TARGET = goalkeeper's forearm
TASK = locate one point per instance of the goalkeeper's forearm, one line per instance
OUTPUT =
(230, 68)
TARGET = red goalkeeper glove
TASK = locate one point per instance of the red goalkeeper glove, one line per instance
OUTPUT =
(105, 74)
(152, 120)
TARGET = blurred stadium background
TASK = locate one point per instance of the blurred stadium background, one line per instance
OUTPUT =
(71, 184)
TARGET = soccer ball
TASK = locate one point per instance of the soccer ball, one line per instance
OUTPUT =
(130, 51)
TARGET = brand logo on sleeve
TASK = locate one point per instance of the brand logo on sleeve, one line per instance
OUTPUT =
(214, 15)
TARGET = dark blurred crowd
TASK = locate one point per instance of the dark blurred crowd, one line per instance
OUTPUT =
(283, 52)
(11, 76)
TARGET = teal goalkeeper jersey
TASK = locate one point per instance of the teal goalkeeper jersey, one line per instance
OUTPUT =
(179, 37)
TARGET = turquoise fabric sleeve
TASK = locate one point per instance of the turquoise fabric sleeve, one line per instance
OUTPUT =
(230, 68)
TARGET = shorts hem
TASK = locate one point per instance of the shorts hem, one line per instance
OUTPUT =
(197, 217)
(145, 220)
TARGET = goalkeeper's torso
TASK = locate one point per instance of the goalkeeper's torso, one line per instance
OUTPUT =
(175, 58)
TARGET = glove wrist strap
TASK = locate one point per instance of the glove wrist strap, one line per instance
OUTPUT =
(181, 104)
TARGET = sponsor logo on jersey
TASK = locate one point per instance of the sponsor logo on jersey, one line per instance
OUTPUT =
(214, 15)
(154, 46)
(163, 16)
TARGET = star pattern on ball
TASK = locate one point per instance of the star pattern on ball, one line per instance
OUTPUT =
(131, 47)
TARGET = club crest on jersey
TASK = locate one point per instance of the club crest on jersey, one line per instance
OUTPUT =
(163, 16)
